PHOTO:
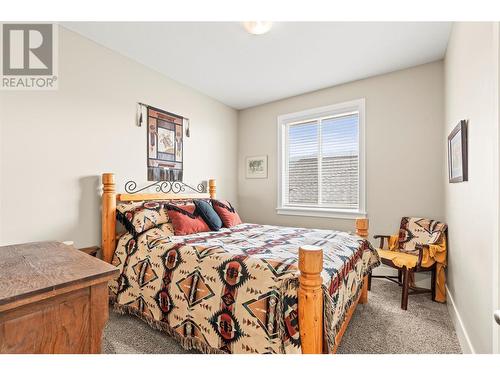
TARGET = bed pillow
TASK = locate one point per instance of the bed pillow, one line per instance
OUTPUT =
(186, 220)
(226, 212)
(208, 214)
(137, 217)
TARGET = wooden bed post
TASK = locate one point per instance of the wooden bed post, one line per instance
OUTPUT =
(362, 228)
(311, 299)
(362, 231)
(108, 244)
(212, 187)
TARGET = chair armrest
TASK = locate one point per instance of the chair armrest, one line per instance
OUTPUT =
(382, 238)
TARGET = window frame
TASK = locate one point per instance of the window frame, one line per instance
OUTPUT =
(357, 105)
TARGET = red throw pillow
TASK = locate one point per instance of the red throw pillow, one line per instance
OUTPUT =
(185, 220)
(226, 212)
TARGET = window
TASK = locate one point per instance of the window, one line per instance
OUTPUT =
(321, 161)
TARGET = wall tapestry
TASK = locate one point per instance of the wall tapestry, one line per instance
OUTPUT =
(165, 145)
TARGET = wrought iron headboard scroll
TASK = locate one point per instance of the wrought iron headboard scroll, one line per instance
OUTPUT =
(166, 187)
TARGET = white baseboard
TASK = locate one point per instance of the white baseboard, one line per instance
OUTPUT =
(463, 337)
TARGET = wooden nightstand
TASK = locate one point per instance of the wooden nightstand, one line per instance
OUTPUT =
(92, 250)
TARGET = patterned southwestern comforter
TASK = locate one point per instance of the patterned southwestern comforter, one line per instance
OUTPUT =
(235, 291)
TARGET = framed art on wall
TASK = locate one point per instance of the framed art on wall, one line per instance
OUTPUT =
(457, 153)
(165, 145)
(256, 166)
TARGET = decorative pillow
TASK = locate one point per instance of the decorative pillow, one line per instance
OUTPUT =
(186, 220)
(138, 217)
(226, 212)
(156, 236)
(208, 214)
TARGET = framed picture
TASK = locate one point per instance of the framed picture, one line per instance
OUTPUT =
(256, 167)
(165, 145)
(457, 153)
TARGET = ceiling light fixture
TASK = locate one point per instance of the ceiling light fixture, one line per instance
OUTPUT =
(257, 27)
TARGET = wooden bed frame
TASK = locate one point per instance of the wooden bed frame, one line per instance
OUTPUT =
(310, 294)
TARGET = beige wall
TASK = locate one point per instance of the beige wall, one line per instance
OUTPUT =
(54, 145)
(471, 208)
(404, 142)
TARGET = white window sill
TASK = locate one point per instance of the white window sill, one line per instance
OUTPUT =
(321, 212)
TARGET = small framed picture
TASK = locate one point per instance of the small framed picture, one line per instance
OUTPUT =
(256, 166)
(457, 153)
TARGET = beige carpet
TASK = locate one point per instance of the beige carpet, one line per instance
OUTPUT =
(378, 327)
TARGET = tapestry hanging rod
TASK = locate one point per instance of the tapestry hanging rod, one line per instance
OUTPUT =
(140, 119)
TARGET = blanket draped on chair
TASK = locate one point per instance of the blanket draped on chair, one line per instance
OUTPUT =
(417, 231)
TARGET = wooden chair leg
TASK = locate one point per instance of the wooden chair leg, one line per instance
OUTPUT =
(433, 283)
(406, 281)
(400, 276)
(370, 280)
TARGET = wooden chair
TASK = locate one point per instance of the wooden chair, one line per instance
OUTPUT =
(415, 235)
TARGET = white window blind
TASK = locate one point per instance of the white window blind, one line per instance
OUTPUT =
(320, 157)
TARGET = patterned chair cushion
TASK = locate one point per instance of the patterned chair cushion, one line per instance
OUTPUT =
(416, 231)
(138, 217)
(186, 219)
(226, 212)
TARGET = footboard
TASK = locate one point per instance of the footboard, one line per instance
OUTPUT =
(310, 296)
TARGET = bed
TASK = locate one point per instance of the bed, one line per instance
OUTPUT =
(250, 288)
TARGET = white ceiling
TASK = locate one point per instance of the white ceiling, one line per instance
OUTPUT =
(221, 60)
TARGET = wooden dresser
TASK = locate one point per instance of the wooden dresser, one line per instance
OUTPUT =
(53, 299)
